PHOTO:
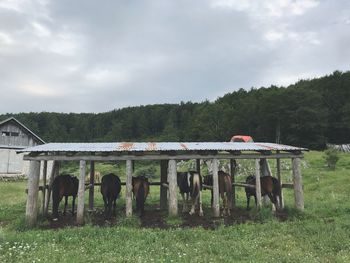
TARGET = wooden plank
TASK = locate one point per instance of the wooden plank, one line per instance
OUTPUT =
(297, 181)
(172, 180)
(232, 171)
(44, 184)
(163, 181)
(54, 172)
(198, 166)
(288, 185)
(128, 189)
(81, 192)
(257, 183)
(279, 177)
(32, 198)
(244, 185)
(216, 200)
(92, 188)
(147, 156)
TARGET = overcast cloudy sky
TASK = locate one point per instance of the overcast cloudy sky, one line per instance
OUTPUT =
(95, 56)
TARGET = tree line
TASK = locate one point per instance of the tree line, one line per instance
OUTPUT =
(309, 113)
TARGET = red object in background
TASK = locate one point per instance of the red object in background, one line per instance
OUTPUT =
(242, 138)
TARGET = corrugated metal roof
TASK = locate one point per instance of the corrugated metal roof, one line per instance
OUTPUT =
(160, 147)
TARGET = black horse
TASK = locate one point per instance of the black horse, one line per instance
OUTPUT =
(269, 186)
(110, 189)
(63, 185)
(140, 189)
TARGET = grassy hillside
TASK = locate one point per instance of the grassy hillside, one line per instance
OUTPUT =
(321, 234)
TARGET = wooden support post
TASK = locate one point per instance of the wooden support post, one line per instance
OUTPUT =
(172, 179)
(198, 166)
(298, 187)
(81, 193)
(232, 171)
(92, 188)
(54, 173)
(128, 188)
(257, 183)
(278, 172)
(216, 200)
(44, 185)
(163, 180)
(32, 197)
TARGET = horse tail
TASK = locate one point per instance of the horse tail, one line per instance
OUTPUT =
(55, 198)
(140, 198)
(196, 182)
(228, 186)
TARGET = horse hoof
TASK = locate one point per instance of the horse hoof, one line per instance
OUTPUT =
(55, 219)
(201, 214)
(191, 213)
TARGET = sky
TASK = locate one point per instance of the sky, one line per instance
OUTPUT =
(96, 56)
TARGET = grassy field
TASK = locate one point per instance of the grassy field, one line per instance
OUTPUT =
(320, 234)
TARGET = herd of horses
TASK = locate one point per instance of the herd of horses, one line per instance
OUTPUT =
(190, 186)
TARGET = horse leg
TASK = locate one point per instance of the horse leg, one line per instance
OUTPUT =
(193, 208)
(73, 204)
(65, 204)
(200, 204)
(115, 206)
(248, 200)
(184, 203)
(223, 204)
(105, 203)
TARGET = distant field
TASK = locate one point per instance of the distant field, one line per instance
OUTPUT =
(320, 234)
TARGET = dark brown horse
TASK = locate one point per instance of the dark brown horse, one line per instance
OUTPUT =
(110, 189)
(140, 189)
(225, 190)
(269, 186)
(63, 185)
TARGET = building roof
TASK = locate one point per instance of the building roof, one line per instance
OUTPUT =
(160, 147)
(23, 126)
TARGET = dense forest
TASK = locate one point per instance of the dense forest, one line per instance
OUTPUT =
(309, 113)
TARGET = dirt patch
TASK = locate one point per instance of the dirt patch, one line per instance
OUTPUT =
(155, 218)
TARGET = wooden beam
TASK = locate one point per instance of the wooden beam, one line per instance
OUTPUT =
(92, 188)
(32, 198)
(81, 192)
(163, 180)
(172, 180)
(148, 156)
(198, 166)
(54, 173)
(244, 185)
(232, 171)
(257, 183)
(128, 189)
(297, 181)
(216, 200)
(44, 184)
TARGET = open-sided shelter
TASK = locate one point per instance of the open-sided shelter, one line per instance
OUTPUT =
(168, 153)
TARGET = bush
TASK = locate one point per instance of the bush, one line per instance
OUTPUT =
(331, 157)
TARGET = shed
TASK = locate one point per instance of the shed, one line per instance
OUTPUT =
(15, 136)
(167, 153)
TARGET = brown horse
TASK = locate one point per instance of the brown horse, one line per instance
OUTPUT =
(225, 186)
(63, 185)
(110, 189)
(140, 189)
(269, 186)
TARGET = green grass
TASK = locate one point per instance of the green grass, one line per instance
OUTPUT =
(320, 234)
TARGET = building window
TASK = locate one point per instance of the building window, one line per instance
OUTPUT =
(5, 133)
(15, 134)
